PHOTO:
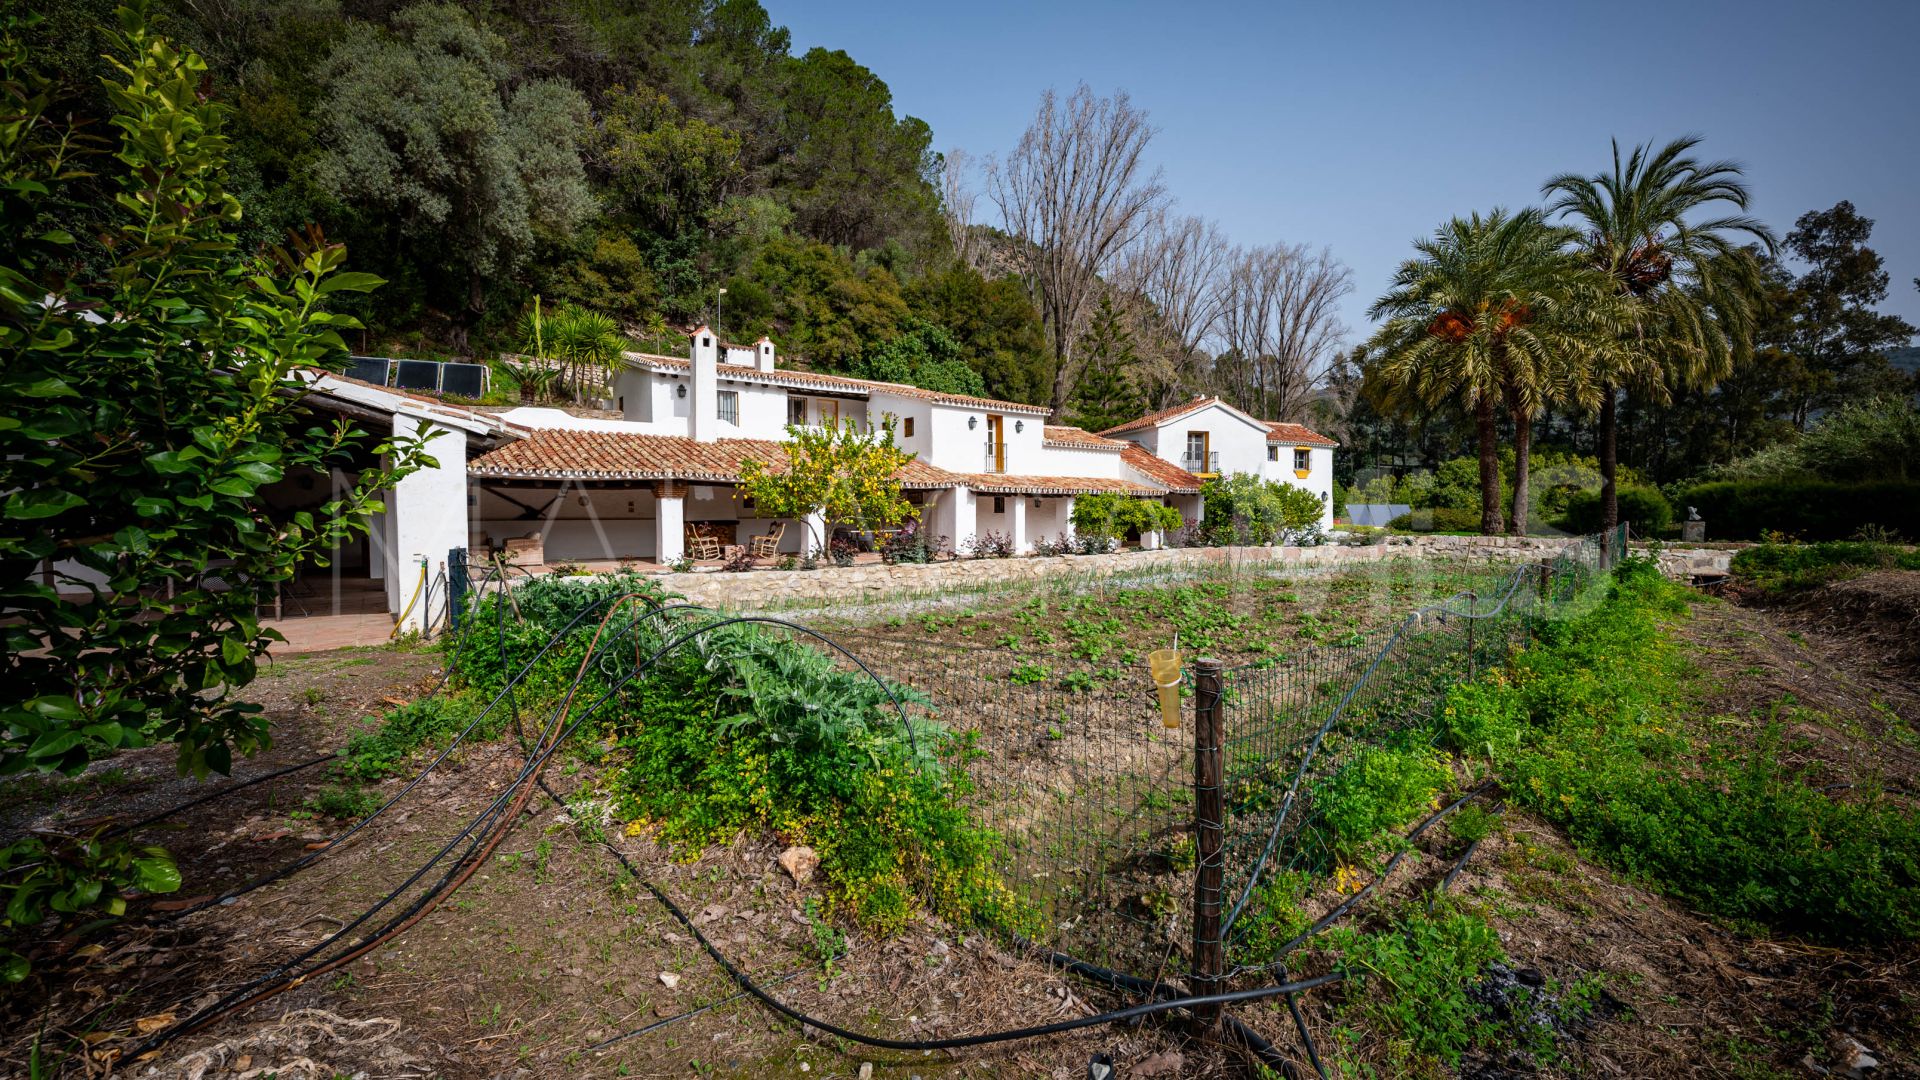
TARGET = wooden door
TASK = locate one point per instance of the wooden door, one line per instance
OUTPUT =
(996, 438)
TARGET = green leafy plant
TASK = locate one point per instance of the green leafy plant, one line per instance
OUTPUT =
(63, 877)
(136, 443)
(1242, 508)
(1027, 674)
(1382, 787)
(1108, 516)
(844, 473)
(1785, 568)
(1411, 979)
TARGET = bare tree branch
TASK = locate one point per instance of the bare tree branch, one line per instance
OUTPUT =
(1074, 194)
(1279, 326)
(1178, 268)
(957, 199)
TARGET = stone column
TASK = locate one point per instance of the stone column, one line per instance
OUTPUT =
(669, 520)
(1019, 514)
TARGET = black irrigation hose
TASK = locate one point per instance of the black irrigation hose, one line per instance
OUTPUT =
(284, 976)
(1120, 981)
(335, 841)
(446, 676)
(121, 830)
(1454, 871)
(963, 1041)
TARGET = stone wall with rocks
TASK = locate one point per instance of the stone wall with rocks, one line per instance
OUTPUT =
(878, 582)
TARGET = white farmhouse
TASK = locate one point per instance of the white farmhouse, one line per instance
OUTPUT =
(547, 486)
(1208, 437)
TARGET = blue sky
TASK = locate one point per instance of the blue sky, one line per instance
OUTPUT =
(1361, 125)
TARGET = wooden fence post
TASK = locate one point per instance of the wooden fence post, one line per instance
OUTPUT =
(1209, 831)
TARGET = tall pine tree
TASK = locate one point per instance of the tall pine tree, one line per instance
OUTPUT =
(1106, 395)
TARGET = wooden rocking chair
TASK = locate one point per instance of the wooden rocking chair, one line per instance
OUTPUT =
(768, 546)
(702, 544)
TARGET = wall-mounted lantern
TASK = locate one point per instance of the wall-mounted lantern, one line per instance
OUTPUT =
(1019, 426)
(680, 391)
(972, 422)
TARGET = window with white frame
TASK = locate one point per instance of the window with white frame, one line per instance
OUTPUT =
(796, 410)
(730, 406)
(1273, 453)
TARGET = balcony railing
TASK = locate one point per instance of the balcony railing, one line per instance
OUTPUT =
(1201, 463)
(993, 459)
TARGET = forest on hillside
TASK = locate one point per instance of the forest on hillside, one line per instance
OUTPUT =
(664, 164)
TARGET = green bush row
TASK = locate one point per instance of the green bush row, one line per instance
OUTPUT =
(1645, 510)
(1807, 509)
(1446, 519)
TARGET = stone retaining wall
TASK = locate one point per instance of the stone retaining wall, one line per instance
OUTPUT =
(874, 582)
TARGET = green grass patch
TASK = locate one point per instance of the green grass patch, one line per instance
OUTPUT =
(1590, 729)
(1788, 568)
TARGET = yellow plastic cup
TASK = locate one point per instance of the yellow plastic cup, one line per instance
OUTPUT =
(1164, 664)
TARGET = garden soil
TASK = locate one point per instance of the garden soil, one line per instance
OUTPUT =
(551, 948)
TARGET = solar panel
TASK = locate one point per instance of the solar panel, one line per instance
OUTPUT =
(371, 369)
(466, 380)
(1377, 514)
(416, 374)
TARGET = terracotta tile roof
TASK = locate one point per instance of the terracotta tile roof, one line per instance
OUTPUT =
(1279, 432)
(1002, 484)
(1161, 471)
(1153, 419)
(1061, 435)
(560, 453)
(837, 383)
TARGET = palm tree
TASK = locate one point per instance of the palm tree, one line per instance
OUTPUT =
(1493, 310)
(1685, 288)
(589, 344)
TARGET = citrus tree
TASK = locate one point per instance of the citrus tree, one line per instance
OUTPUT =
(1107, 516)
(844, 473)
(153, 378)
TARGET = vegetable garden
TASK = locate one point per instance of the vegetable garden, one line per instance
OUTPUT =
(1007, 767)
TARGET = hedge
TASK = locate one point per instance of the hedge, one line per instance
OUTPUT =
(1643, 508)
(1438, 519)
(1807, 509)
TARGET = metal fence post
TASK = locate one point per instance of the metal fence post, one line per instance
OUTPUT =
(1209, 831)
(456, 585)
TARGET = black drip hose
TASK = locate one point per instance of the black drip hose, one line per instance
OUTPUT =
(747, 985)
(485, 825)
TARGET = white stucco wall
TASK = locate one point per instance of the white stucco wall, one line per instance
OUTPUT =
(1055, 460)
(429, 513)
(1242, 445)
(958, 448)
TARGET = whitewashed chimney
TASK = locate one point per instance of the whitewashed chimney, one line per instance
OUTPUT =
(703, 415)
(763, 353)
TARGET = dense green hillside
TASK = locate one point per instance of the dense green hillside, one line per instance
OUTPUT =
(625, 156)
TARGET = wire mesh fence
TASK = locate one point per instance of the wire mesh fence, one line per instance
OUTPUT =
(1094, 798)
(1088, 791)
(1294, 730)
